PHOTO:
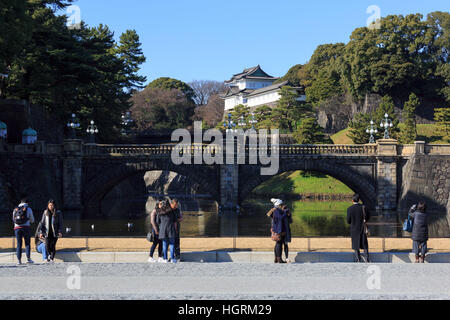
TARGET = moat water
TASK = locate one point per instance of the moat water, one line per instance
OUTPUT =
(129, 218)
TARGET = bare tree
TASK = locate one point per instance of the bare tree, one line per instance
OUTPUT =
(204, 89)
(212, 113)
(157, 108)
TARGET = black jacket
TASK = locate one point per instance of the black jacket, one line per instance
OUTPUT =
(57, 224)
(420, 226)
(355, 219)
(166, 221)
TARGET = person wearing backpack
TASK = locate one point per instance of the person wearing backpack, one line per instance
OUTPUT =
(23, 218)
(51, 228)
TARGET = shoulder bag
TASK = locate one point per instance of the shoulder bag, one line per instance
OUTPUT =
(366, 227)
(408, 224)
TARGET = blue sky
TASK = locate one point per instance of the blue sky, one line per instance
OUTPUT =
(212, 40)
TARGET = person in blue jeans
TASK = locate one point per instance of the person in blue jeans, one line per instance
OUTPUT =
(23, 218)
(175, 205)
(40, 245)
(167, 230)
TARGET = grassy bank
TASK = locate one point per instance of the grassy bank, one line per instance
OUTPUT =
(301, 183)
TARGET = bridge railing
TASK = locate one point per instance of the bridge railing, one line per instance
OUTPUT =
(128, 150)
(437, 149)
(166, 150)
(325, 149)
(157, 150)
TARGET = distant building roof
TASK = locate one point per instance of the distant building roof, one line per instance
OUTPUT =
(252, 73)
(233, 91)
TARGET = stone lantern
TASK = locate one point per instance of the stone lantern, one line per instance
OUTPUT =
(3, 130)
(29, 136)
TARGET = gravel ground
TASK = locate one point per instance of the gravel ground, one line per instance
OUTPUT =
(225, 281)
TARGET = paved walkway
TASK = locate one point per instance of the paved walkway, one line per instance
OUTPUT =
(235, 244)
(237, 281)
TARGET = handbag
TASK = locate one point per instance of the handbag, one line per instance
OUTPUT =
(275, 236)
(150, 237)
(408, 224)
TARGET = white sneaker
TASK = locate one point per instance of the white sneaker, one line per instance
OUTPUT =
(151, 260)
(160, 260)
(164, 261)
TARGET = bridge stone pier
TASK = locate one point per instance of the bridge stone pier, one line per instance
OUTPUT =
(79, 175)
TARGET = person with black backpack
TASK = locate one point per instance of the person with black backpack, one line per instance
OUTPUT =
(23, 218)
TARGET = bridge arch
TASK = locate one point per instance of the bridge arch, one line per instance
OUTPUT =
(100, 179)
(365, 186)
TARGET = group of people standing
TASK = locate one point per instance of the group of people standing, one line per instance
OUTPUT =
(165, 221)
(47, 233)
(358, 216)
(165, 230)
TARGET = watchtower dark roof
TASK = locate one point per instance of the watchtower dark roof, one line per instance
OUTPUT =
(252, 73)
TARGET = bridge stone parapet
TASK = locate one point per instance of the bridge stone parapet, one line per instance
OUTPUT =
(383, 173)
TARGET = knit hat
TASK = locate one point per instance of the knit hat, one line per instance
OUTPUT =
(276, 202)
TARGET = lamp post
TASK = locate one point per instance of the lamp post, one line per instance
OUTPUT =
(92, 130)
(372, 130)
(73, 124)
(253, 122)
(3, 76)
(242, 123)
(229, 124)
(3, 130)
(126, 121)
(386, 125)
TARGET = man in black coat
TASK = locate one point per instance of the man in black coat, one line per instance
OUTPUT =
(356, 214)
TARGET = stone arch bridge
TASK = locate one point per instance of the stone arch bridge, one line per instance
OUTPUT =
(386, 175)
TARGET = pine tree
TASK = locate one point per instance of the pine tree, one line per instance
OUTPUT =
(240, 112)
(442, 118)
(263, 115)
(310, 132)
(358, 127)
(289, 112)
(408, 132)
(130, 53)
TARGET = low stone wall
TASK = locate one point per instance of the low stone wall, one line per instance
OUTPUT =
(256, 244)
